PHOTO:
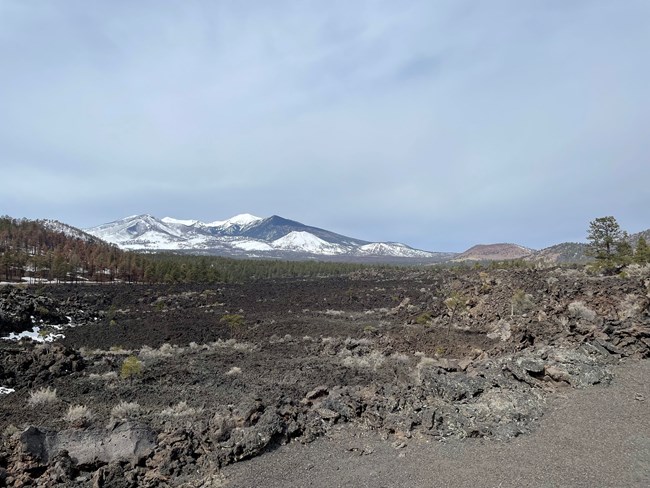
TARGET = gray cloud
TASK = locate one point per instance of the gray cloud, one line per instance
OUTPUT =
(440, 124)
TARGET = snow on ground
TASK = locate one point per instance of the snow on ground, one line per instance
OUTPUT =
(35, 335)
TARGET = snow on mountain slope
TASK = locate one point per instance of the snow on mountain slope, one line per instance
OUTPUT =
(66, 229)
(188, 223)
(393, 249)
(146, 230)
(240, 220)
(306, 242)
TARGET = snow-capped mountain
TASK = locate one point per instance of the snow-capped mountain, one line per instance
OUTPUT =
(249, 236)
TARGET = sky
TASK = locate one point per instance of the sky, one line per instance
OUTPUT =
(437, 123)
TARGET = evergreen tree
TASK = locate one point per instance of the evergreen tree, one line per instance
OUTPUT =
(642, 253)
(624, 251)
(604, 236)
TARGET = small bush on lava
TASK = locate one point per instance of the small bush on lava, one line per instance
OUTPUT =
(42, 396)
(423, 318)
(125, 410)
(580, 311)
(131, 367)
(78, 415)
(233, 320)
(181, 409)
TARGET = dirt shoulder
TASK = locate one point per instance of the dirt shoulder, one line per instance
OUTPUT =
(598, 436)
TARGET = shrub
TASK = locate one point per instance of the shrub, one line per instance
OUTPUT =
(456, 304)
(131, 367)
(42, 396)
(235, 322)
(125, 410)
(369, 329)
(423, 318)
(520, 303)
(117, 350)
(581, 311)
(78, 415)
(181, 409)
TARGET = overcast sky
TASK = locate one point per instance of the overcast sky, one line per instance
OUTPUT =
(441, 124)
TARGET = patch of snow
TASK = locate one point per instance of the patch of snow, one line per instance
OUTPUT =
(33, 335)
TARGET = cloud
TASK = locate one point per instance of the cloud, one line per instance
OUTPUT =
(440, 124)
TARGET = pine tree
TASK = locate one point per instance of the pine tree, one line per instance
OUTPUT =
(642, 253)
(604, 236)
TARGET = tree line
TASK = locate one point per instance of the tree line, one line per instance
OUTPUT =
(29, 249)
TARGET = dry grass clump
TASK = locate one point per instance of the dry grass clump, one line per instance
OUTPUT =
(125, 410)
(181, 409)
(233, 344)
(580, 311)
(425, 362)
(42, 396)
(351, 343)
(401, 357)
(638, 271)
(164, 351)
(275, 339)
(374, 360)
(78, 415)
(108, 376)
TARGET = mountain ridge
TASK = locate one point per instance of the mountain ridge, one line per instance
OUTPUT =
(246, 235)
